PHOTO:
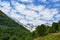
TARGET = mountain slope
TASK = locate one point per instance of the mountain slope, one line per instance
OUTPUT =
(10, 30)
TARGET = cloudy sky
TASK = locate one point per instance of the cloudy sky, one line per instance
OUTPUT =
(34, 12)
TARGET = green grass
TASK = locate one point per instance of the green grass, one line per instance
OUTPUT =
(51, 36)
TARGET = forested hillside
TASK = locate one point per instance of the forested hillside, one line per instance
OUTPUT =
(46, 32)
(10, 30)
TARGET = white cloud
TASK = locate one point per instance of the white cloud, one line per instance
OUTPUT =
(57, 16)
(48, 13)
(29, 12)
(26, 1)
(14, 15)
(5, 4)
(22, 9)
(38, 22)
(35, 8)
(4, 10)
(19, 7)
(5, 7)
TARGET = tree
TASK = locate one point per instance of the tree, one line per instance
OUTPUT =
(54, 27)
(33, 34)
(14, 38)
(59, 25)
(41, 30)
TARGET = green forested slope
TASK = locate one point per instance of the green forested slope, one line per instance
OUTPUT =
(10, 30)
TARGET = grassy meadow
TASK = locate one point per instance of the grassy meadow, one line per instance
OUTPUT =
(51, 36)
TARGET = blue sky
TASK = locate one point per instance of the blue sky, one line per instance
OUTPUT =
(34, 12)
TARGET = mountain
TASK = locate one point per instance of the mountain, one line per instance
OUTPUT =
(11, 30)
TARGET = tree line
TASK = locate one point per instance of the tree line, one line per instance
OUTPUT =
(43, 30)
